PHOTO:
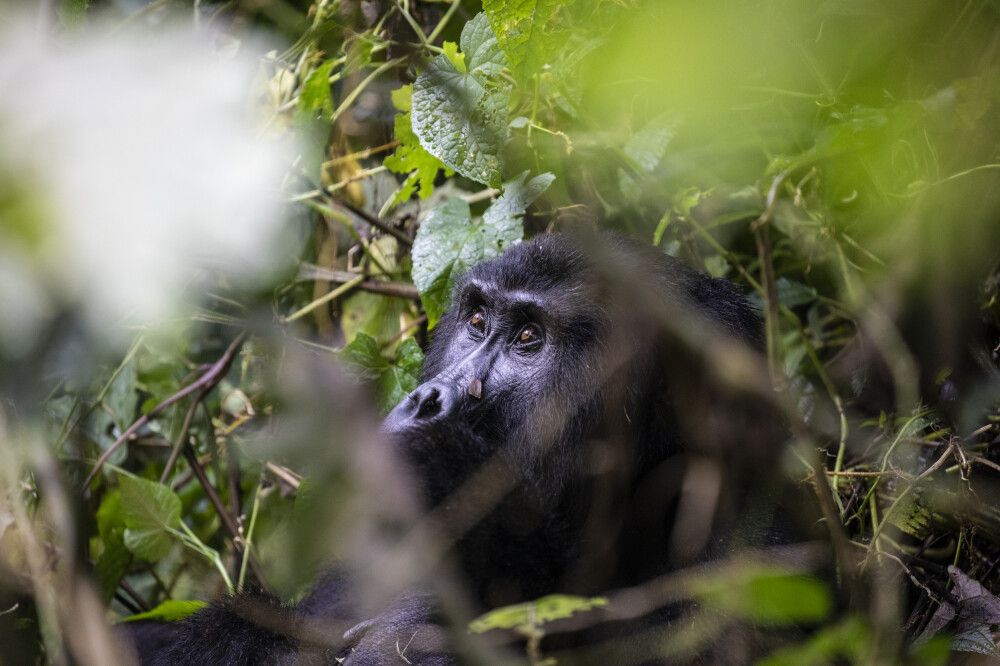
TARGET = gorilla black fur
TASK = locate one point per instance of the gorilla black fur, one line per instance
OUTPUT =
(576, 396)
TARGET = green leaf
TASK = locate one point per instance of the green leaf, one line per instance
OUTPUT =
(402, 98)
(315, 100)
(436, 297)
(359, 53)
(109, 514)
(169, 611)
(767, 596)
(716, 265)
(114, 558)
(527, 31)
(373, 314)
(393, 380)
(150, 511)
(112, 563)
(912, 516)
(523, 617)
(791, 294)
(449, 241)
(461, 121)
(647, 146)
(363, 353)
(438, 246)
(410, 157)
(505, 213)
(457, 59)
(401, 377)
(121, 397)
(661, 227)
(483, 55)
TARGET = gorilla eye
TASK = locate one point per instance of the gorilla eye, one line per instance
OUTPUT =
(478, 321)
(529, 335)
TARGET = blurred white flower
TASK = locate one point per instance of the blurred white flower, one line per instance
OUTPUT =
(146, 153)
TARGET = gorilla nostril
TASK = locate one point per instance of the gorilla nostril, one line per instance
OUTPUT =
(430, 404)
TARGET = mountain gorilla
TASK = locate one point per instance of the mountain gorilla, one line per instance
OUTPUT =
(590, 418)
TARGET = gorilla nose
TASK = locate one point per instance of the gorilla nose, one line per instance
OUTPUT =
(427, 403)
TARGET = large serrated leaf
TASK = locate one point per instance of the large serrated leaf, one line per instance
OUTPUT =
(449, 242)
(526, 31)
(461, 121)
(483, 55)
(150, 510)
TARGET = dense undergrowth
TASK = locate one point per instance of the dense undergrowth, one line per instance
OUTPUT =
(840, 161)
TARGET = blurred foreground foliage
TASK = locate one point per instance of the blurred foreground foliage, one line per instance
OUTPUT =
(839, 160)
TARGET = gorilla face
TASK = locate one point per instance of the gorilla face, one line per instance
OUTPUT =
(562, 360)
(513, 365)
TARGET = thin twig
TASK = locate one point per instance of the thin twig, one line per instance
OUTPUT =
(284, 474)
(361, 154)
(227, 520)
(326, 298)
(846, 563)
(416, 323)
(760, 228)
(353, 95)
(182, 437)
(309, 271)
(209, 379)
(377, 223)
(439, 28)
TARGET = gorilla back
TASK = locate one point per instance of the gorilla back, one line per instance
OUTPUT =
(590, 418)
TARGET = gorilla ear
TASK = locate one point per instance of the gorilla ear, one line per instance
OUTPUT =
(476, 388)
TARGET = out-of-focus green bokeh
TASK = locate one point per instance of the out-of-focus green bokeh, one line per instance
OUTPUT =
(285, 189)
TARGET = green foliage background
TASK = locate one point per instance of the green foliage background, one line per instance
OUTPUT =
(839, 160)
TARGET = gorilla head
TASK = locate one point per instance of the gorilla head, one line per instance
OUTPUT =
(582, 371)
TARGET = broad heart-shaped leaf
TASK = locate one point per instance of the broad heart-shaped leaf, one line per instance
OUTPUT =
(506, 212)
(439, 244)
(524, 29)
(460, 121)
(449, 241)
(150, 510)
(395, 379)
(483, 54)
